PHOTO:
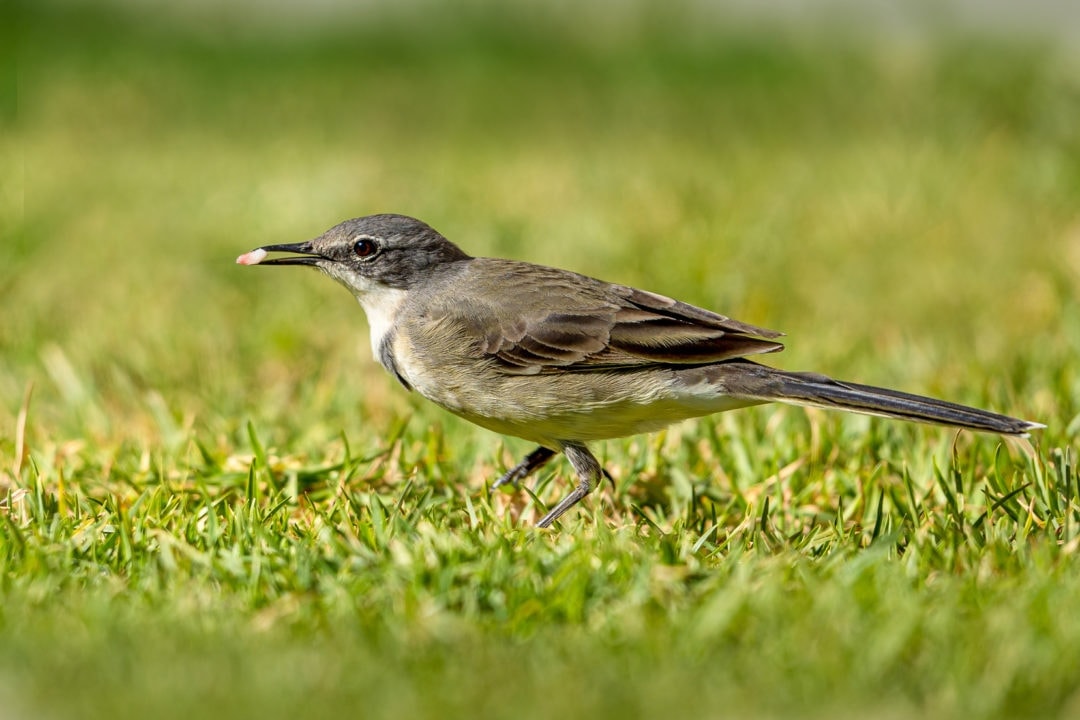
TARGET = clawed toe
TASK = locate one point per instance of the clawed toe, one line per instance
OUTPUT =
(523, 469)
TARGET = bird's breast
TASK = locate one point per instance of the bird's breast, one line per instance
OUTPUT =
(439, 370)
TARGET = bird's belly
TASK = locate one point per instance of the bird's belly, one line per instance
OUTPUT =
(554, 408)
(601, 421)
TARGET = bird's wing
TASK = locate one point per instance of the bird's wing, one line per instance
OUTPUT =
(564, 321)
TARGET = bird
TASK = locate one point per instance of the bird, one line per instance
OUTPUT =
(561, 359)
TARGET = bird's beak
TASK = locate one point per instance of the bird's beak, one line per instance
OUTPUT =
(303, 255)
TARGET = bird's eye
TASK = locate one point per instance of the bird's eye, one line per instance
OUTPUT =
(365, 248)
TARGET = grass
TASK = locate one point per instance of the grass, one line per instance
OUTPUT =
(213, 500)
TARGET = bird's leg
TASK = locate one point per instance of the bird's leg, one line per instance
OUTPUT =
(589, 473)
(532, 462)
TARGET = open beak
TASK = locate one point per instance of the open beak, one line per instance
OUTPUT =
(302, 255)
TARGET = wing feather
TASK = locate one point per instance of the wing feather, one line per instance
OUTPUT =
(564, 321)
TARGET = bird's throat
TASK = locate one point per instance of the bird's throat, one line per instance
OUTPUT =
(382, 308)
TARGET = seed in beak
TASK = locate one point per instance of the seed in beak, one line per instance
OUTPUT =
(252, 258)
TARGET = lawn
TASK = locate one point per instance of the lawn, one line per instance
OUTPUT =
(214, 501)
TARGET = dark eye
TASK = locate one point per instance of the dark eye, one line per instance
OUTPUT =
(365, 248)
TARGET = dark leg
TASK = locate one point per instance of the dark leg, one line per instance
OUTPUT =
(589, 473)
(532, 462)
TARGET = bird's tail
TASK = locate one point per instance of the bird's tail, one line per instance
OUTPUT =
(758, 382)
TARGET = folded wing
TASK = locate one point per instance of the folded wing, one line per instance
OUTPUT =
(563, 321)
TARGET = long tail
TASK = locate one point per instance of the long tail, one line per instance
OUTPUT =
(758, 382)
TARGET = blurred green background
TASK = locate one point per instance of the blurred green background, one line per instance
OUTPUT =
(897, 188)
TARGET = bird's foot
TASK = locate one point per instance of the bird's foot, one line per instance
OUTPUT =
(523, 469)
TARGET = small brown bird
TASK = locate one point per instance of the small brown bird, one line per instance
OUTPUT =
(561, 359)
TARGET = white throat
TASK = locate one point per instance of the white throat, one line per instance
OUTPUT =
(381, 308)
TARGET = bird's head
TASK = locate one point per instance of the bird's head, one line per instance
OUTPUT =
(368, 254)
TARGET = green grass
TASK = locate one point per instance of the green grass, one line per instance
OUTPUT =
(212, 498)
